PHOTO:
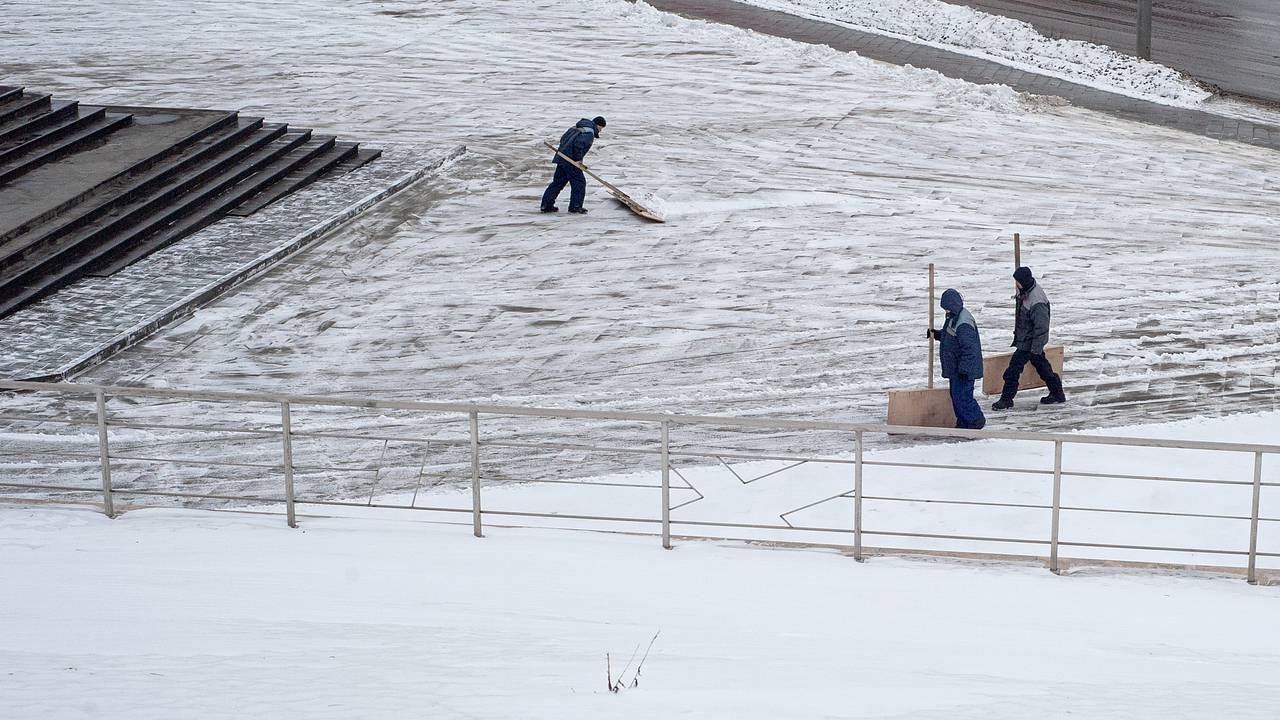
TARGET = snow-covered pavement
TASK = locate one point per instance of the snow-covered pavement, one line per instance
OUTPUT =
(164, 614)
(807, 190)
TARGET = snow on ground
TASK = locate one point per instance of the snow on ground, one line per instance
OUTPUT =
(167, 613)
(808, 188)
(1011, 42)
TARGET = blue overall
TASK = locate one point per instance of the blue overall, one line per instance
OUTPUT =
(575, 143)
(961, 354)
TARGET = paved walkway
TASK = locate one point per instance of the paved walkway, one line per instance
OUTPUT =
(976, 70)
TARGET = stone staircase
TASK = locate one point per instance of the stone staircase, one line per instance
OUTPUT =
(88, 190)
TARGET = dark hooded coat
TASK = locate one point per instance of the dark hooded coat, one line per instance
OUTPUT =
(960, 349)
(1031, 330)
(576, 141)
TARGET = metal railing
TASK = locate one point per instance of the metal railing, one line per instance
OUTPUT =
(663, 453)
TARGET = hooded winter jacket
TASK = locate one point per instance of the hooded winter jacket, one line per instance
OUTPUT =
(576, 141)
(1031, 330)
(959, 346)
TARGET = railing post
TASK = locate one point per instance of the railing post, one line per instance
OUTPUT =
(857, 499)
(286, 434)
(108, 502)
(1057, 505)
(475, 474)
(666, 485)
(1253, 518)
(1144, 29)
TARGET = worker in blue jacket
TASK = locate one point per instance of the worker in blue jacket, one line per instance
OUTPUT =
(575, 143)
(961, 352)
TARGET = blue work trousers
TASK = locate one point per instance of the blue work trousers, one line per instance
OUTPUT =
(566, 175)
(968, 413)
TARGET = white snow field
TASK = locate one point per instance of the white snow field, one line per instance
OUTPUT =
(807, 190)
(171, 613)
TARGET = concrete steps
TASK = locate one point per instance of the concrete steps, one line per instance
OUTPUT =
(91, 124)
(226, 165)
(299, 176)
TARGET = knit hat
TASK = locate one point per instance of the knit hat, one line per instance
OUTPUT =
(1024, 277)
(599, 120)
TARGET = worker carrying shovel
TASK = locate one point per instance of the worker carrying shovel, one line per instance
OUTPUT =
(960, 349)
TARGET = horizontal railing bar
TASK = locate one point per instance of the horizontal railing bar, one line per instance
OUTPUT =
(847, 531)
(50, 487)
(745, 456)
(755, 526)
(188, 461)
(978, 468)
(1157, 513)
(255, 466)
(492, 476)
(381, 506)
(736, 455)
(976, 503)
(133, 425)
(192, 496)
(329, 435)
(567, 516)
(1155, 548)
(1160, 478)
(971, 538)
(766, 423)
(42, 418)
(808, 528)
(570, 446)
(56, 453)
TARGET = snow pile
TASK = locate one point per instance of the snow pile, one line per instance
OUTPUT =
(1005, 40)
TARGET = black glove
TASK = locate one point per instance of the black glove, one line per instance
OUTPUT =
(931, 334)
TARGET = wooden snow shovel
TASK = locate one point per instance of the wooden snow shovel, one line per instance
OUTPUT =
(617, 194)
(993, 366)
(925, 407)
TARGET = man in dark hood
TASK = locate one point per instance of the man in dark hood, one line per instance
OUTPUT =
(960, 350)
(1030, 335)
(575, 143)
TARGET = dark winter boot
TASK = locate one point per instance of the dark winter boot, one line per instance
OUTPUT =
(553, 208)
(1002, 404)
(579, 211)
(1056, 396)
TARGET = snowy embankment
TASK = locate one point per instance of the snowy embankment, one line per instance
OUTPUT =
(166, 613)
(1011, 42)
